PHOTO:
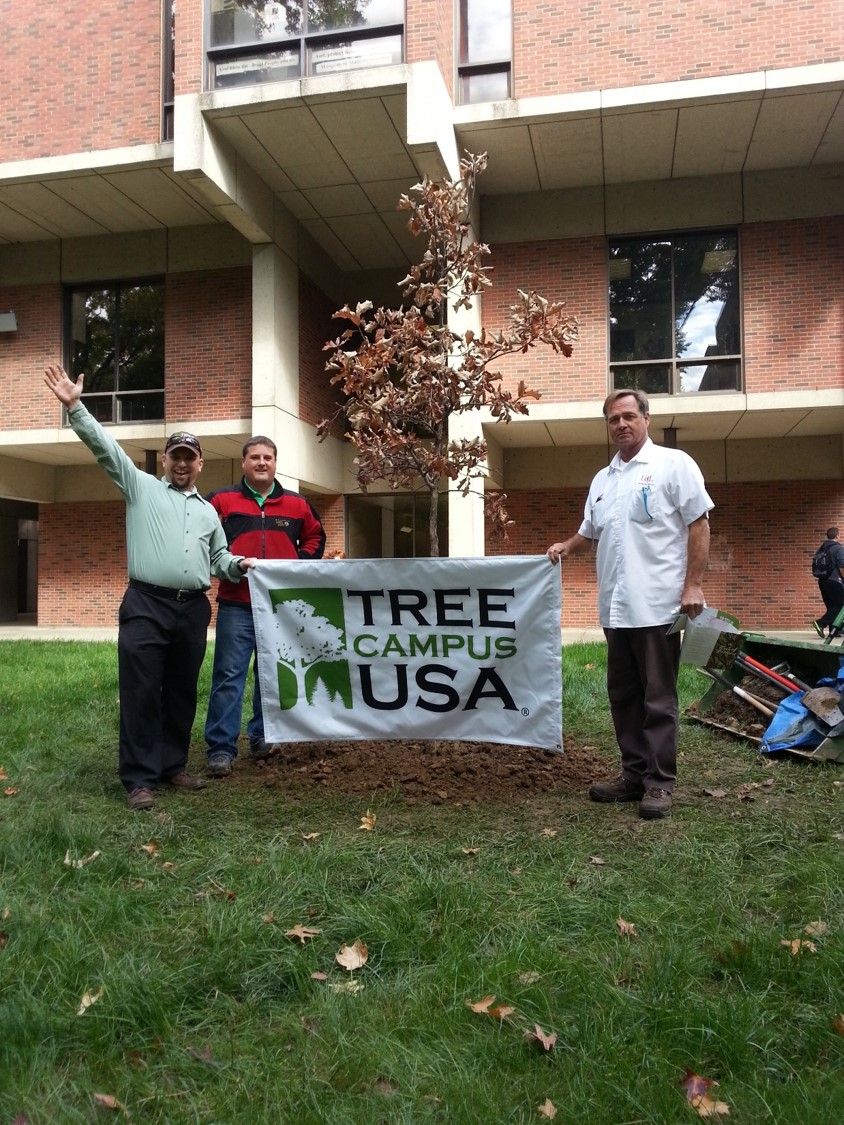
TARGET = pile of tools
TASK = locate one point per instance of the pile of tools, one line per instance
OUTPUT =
(760, 673)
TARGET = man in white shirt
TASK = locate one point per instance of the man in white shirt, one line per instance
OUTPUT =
(648, 511)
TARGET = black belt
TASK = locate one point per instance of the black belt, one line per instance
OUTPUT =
(165, 591)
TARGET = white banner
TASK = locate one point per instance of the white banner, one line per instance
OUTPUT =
(459, 649)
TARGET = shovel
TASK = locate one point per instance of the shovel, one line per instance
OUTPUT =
(753, 700)
(825, 704)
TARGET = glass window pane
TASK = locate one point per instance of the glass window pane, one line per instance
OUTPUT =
(248, 70)
(653, 379)
(720, 375)
(254, 21)
(92, 338)
(141, 334)
(706, 295)
(141, 407)
(335, 15)
(352, 54)
(485, 30)
(640, 300)
(488, 87)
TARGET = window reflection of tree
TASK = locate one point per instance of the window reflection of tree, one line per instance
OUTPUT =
(279, 18)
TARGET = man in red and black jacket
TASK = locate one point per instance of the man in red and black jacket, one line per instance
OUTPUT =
(274, 524)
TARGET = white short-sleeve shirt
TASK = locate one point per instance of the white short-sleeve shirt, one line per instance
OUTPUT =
(639, 511)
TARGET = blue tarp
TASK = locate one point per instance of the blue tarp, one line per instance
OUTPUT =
(794, 725)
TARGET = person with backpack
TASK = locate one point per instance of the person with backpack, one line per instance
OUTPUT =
(827, 566)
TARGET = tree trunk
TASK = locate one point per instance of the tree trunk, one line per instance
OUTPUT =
(432, 524)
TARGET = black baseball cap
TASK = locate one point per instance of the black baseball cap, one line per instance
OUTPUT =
(185, 439)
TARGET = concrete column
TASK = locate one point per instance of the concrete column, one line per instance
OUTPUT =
(275, 356)
(466, 513)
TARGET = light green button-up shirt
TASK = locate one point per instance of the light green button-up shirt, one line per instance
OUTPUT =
(173, 538)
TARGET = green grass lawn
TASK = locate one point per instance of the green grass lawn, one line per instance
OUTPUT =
(209, 1013)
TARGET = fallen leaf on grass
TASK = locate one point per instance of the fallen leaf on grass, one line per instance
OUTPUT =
(530, 977)
(7, 913)
(203, 1054)
(838, 1024)
(716, 793)
(68, 862)
(352, 956)
(303, 933)
(106, 1101)
(484, 1007)
(548, 832)
(697, 1095)
(596, 860)
(346, 986)
(168, 866)
(815, 929)
(628, 929)
(151, 848)
(2, 774)
(367, 823)
(319, 976)
(268, 918)
(470, 851)
(548, 1109)
(11, 791)
(88, 999)
(546, 1039)
(797, 946)
(4, 938)
(311, 835)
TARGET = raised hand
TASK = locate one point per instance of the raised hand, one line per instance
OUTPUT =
(62, 386)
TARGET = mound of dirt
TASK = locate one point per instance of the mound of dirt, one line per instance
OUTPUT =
(429, 772)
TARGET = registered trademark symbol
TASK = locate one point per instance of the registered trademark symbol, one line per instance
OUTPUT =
(526, 711)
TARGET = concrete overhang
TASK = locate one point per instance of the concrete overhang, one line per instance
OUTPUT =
(337, 151)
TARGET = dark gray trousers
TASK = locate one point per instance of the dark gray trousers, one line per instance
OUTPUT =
(642, 668)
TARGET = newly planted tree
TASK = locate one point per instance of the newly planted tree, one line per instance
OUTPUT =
(405, 372)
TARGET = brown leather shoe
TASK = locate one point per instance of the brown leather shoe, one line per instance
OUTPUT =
(185, 780)
(619, 789)
(140, 799)
(655, 805)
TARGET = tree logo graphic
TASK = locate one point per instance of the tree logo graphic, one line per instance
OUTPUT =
(311, 645)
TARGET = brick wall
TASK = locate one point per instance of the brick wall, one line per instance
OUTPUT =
(429, 34)
(208, 342)
(331, 511)
(189, 54)
(25, 353)
(759, 558)
(601, 44)
(81, 564)
(80, 76)
(793, 301)
(573, 270)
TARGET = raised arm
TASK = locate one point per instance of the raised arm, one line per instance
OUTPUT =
(62, 386)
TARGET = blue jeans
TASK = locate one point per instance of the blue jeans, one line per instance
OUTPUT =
(233, 652)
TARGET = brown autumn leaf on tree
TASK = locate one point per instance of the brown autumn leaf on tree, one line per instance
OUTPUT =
(303, 933)
(352, 957)
(406, 373)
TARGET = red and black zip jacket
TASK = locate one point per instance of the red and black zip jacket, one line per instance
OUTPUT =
(286, 527)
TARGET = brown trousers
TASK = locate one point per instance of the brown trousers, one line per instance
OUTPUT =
(642, 668)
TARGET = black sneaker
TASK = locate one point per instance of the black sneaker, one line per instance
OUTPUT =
(219, 764)
(259, 750)
(817, 628)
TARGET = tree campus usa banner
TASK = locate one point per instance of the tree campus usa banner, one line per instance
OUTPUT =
(458, 649)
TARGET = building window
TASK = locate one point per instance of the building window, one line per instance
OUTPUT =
(114, 333)
(251, 41)
(394, 526)
(485, 50)
(675, 316)
(168, 67)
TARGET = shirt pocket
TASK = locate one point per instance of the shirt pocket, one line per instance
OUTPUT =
(645, 504)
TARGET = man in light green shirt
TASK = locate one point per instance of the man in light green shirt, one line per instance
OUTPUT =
(174, 544)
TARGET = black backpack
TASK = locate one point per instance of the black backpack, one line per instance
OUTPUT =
(822, 564)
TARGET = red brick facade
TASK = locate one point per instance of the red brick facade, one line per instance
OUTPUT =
(604, 44)
(24, 354)
(317, 397)
(429, 34)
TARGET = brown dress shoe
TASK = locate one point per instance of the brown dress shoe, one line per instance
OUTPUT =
(185, 780)
(141, 798)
